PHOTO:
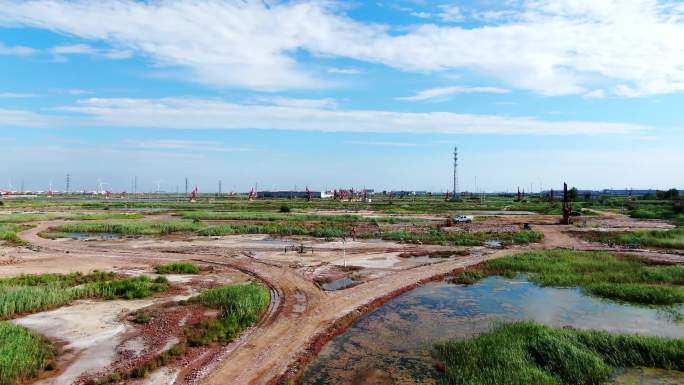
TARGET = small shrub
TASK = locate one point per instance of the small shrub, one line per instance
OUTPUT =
(284, 209)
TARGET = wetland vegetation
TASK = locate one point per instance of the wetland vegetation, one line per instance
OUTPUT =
(530, 353)
(23, 354)
(177, 268)
(614, 276)
(30, 294)
(240, 307)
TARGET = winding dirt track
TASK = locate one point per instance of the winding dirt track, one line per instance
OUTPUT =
(304, 316)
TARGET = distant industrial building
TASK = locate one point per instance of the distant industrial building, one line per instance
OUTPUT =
(292, 194)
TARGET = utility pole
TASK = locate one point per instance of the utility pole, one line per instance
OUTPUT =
(186, 185)
(219, 188)
(68, 183)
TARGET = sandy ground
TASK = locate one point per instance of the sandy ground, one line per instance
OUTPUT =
(303, 315)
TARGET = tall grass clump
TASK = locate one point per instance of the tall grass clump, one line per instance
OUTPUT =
(8, 233)
(23, 354)
(529, 353)
(240, 306)
(30, 294)
(128, 288)
(177, 268)
(618, 277)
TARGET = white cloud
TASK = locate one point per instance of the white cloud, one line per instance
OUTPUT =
(22, 118)
(175, 144)
(16, 50)
(381, 144)
(446, 91)
(15, 95)
(450, 13)
(422, 15)
(301, 103)
(344, 71)
(595, 94)
(85, 49)
(553, 47)
(192, 113)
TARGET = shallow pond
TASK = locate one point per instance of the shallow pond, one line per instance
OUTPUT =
(392, 344)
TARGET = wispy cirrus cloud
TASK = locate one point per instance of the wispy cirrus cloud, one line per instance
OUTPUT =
(16, 50)
(344, 71)
(197, 113)
(16, 95)
(61, 51)
(552, 47)
(443, 92)
(379, 143)
(190, 145)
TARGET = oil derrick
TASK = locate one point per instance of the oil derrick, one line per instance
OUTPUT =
(567, 208)
(519, 196)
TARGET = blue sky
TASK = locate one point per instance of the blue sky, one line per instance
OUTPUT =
(330, 94)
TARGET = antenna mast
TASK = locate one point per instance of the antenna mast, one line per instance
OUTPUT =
(456, 191)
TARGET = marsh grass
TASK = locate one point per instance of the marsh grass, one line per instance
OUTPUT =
(672, 239)
(8, 233)
(131, 227)
(240, 306)
(48, 216)
(618, 277)
(529, 353)
(30, 294)
(63, 280)
(23, 354)
(177, 268)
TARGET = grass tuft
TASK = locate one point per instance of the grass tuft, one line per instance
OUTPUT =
(240, 306)
(177, 268)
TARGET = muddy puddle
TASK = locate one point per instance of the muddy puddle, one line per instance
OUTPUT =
(94, 236)
(339, 284)
(392, 344)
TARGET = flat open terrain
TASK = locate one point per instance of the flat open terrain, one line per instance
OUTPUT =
(325, 264)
